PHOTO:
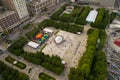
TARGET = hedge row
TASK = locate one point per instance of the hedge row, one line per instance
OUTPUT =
(27, 26)
(99, 69)
(63, 26)
(105, 20)
(102, 38)
(77, 12)
(100, 16)
(51, 63)
(18, 64)
(82, 18)
(38, 58)
(62, 17)
(102, 19)
(32, 33)
(78, 15)
(85, 63)
(56, 15)
(99, 65)
(67, 17)
(44, 76)
(16, 47)
(8, 73)
(112, 16)
(92, 65)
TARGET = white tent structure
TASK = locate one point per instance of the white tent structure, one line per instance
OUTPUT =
(48, 30)
(114, 26)
(116, 22)
(58, 39)
(92, 16)
(33, 44)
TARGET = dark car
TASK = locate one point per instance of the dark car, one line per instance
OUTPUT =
(1, 51)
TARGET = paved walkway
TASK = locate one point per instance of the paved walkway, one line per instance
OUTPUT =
(82, 48)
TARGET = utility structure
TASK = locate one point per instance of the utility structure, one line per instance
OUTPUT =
(113, 61)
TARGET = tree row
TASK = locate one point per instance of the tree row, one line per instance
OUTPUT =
(11, 74)
(89, 65)
(102, 19)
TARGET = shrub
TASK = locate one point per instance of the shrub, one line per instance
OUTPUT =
(16, 47)
(77, 12)
(64, 26)
(32, 33)
(102, 19)
(51, 63)
(92, 65)
(112, 17)
(11, 74)
(44, 76)
(82, 18)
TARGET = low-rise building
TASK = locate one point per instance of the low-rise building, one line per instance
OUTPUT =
(8, 19)
(37, 6)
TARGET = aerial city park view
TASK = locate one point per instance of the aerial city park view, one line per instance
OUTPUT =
(59, 39)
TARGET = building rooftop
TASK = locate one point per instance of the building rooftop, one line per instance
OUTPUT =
(4, 12)
(92, 16)
(36, 2)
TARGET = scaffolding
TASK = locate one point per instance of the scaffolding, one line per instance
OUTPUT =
(113, 61)
(117, 4)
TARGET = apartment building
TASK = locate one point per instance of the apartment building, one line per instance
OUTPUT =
(35, 7)
(19, 6)
(8, 19)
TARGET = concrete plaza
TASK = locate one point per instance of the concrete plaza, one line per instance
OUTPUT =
(70, 50)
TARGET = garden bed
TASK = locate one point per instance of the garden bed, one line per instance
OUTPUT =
(43, 76)
(15, 62)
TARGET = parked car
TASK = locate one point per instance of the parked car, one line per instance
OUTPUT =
(1, 51)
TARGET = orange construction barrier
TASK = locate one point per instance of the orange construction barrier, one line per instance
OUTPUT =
(39, 36)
